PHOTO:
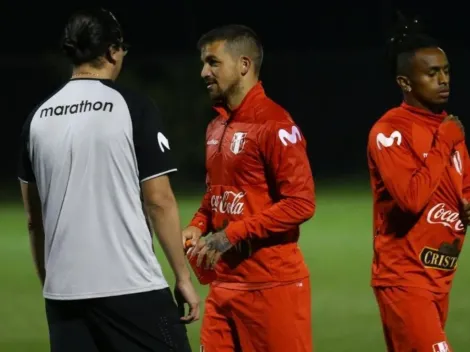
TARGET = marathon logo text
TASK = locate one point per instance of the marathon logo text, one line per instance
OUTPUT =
(83, 106)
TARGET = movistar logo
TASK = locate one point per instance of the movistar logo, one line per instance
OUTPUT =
(384, 141)
(83, 106)
(293, 137)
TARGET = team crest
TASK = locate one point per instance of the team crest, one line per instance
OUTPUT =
(457, 160)
(238, 142)
(440, 347)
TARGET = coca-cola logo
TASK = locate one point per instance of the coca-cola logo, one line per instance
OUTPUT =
(228, 203)
(439, 214)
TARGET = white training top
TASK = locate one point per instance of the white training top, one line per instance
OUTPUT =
(88, 147)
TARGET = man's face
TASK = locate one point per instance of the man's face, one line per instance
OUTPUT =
(429, 76)
(220, 70)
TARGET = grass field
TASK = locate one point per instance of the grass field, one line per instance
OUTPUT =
(337, 248)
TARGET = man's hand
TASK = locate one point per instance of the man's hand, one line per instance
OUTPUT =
(186, 294)
(456, 120)
(466, 212)
(192, 233)
(211, 247)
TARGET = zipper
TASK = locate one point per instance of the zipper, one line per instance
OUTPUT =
(225, 123)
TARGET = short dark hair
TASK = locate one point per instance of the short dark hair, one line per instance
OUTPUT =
(88, 35)
(408, 37)
(240, 39)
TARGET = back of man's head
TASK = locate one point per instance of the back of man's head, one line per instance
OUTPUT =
(89, 34)
(240, 40)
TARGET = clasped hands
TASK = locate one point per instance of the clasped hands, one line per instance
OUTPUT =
(208, 249)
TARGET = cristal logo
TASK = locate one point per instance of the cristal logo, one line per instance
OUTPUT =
(228, 203)
(438, 214)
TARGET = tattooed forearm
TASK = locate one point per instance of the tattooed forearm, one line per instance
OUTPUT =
(218, 242)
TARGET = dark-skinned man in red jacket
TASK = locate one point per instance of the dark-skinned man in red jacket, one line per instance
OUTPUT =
(420, 178)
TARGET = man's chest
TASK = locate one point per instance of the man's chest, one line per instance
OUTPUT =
(234, 154)
(422, 141)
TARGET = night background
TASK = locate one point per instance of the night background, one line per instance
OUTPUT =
(324, 62)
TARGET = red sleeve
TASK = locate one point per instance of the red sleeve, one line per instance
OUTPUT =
(283, 149)
(410, 181)
(202, 218)
(466, 175)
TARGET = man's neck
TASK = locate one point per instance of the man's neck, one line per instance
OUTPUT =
(235, 99)
(87, 71)
(434, 109)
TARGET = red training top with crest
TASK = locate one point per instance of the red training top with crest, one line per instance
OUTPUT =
(420, 174)
(259, 189)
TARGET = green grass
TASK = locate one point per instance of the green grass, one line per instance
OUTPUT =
(337, 248)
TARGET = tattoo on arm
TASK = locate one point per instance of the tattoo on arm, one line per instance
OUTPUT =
(219, 242)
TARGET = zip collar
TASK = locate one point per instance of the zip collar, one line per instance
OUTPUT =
(424, 113)
(254, 94)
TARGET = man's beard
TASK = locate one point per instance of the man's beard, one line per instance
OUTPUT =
(222, 96)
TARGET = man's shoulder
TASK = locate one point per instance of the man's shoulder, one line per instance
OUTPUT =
(394, 124)
(392, 119)
(44, 102)
(131, 96)
(269, 113)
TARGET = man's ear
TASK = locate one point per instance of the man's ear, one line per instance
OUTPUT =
(111, 54)
(404, 83)
(245, 63)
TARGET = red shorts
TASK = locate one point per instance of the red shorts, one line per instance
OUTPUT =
(276, 319)
(413, 319)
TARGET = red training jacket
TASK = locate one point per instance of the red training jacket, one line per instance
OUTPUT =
(260, 189)
(420, 172)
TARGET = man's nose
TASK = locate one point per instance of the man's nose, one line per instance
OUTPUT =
(444, 78)
(205, 72)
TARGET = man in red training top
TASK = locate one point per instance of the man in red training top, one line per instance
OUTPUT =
(420, 177)
(259, 190)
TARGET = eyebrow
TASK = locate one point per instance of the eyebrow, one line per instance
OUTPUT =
(439, 67)
(210, 57)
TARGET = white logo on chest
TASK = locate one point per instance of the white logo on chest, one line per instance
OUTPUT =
(457, 162)
(238, 142)
(440, 214)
